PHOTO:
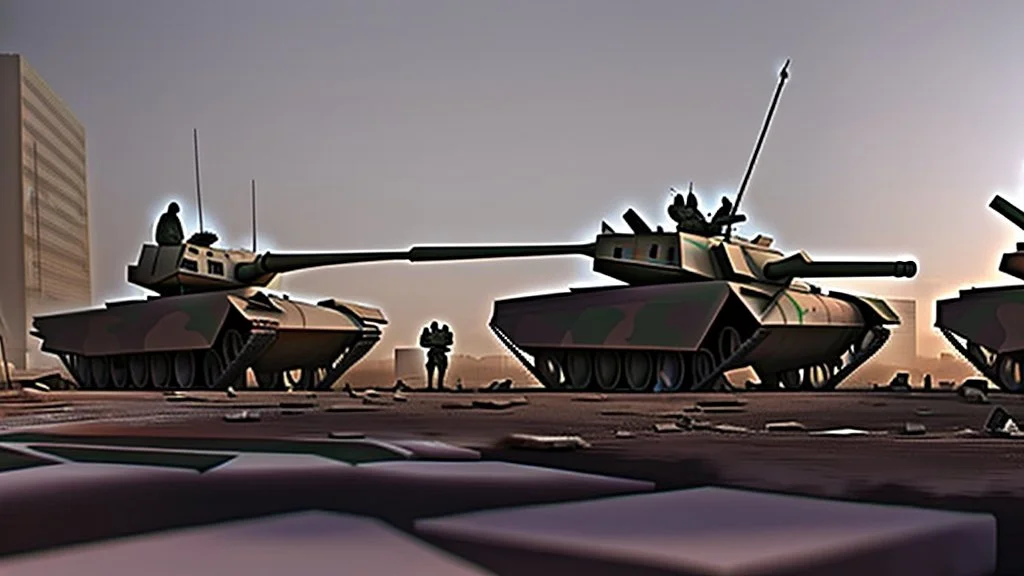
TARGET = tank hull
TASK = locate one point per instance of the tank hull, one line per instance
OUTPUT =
(677, 337)
(986, 326)
(210, 340)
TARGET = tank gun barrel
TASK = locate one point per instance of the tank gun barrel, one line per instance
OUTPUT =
(1007, 210)
(269, 263)
(798, 266)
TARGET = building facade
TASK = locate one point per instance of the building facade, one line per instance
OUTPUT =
(411, 366)
(901, 349)
(44, 209)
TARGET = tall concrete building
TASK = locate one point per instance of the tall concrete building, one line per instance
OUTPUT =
(44, 208)
(901, 349)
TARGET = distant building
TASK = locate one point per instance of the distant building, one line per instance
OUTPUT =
(411, 366)
(901, 349)
(44, 208)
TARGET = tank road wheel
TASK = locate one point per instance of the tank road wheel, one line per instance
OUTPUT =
(1011, 374)
(607, 369)
(184, 369)
(298, 378)
(671, 371)
(638, 368)
(160, 370)
(728, 343)
(551, 370)
(270, 380)
(213, 367)
(119, 371)
(790, 379)
(579, 368)
(703, 365)
(231, 345)
(983, 355)
(138, 371)
(817, 376)
(99, 366)
(83, 373)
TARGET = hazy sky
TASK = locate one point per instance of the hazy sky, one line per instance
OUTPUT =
(384, 124)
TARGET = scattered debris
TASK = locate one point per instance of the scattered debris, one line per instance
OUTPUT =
(351, 393)
(751, 385)
(928, 382)
(591, 398)
(721, 403)
(667, 427)
(923, 411)
(400, 386)
(1000, 423)
(231, 392)
(533, 442)
(370, 393)
(976, 383)
(491, 404)
(350, 408)
(973, 395)
(243, 416)
(399, 397)
(840, 432)
(730, 429)
(499, 385)
(341, 435)
(297, 405)
(457, 406)
(40, 386)
(624, 434)
(946, 384)
(967, 432)
(701, 425)
(787, 426)
(913, 429)
(179, 397)
(691, 409)
(375, 401)
(900, 382)
(722, 409)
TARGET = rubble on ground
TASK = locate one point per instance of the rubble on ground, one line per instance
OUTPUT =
(591, 398)
(786, 426)
(666, 427)
(345, 435)
(924, 411)
(973, 396)
(913, 429)
(243, 416)
(624, 434)
(730, 429)
(230, 392)
(499, 385)
(536, 442)
(1000, 423)
(900, 382)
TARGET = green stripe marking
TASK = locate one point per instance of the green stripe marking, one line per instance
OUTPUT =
(799, 311)
(693, 242)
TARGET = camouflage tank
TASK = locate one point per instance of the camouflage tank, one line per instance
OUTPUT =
(209, 323)
(986, 325)
(699, 302)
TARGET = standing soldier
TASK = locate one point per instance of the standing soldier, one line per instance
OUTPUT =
(438, 342)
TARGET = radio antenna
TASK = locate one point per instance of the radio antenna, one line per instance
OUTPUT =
(253, 203)
(199, 193)
(783, 76)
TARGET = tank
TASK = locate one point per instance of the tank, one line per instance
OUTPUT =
(697, 302)
(209, 322)
(986, 325)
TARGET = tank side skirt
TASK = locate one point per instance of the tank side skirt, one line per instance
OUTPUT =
(715, 380)
(261, 336)
(520, 356)
(987, 371)
(862, 356)
(354, 354)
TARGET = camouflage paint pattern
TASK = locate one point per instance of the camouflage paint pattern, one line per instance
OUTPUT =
(194, 321)
(991, 317)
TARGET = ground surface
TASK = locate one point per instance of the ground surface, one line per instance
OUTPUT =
(947, 467)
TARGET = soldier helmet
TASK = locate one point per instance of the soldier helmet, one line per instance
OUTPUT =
(173, 208)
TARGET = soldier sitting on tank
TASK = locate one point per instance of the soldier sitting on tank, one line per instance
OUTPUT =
(721, 217)
(687, 215)
(168, 228)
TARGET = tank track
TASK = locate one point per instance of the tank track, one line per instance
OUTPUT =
(261, 336)
(354, 354)
(715, 379)
(986, 370)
